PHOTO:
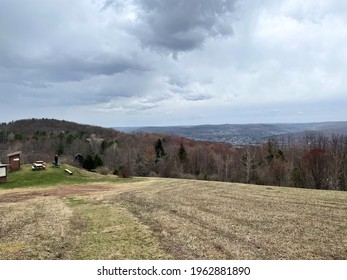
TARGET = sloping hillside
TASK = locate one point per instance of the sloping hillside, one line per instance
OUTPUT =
(158, 218)
(314, 161)
(140, 154)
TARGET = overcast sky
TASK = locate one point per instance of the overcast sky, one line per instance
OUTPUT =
(173, 62)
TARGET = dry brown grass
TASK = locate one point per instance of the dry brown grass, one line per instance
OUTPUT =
(210, 220)
(168, 218)
(36, 229)
(73, 222)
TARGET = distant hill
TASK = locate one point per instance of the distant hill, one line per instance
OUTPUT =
(41, 139)
(29, 127)
(243, 134)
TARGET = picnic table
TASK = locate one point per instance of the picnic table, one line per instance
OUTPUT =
(38, 165)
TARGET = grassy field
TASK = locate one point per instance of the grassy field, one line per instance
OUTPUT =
(53, 176)
(50, 215)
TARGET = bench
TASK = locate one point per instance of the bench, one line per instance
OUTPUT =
(68, 171)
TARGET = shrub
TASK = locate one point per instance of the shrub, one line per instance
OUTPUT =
(103, 170)
(92, 162)
(125, 171)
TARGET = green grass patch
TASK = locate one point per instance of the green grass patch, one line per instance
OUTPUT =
(111, 232)
(51, 176)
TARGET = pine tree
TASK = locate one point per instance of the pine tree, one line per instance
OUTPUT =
(182, 154)
(159, 150)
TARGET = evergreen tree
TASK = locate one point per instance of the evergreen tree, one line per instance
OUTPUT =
(88, 162)
(182, 154)
(91, 162)
(159, 150)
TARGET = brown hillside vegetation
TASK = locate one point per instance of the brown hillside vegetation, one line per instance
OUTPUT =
(158, 218)
(315, 161)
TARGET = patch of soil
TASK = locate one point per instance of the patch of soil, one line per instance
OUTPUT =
(63, 191)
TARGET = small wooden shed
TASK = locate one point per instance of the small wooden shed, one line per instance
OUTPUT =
(14, 160)
(3, 172)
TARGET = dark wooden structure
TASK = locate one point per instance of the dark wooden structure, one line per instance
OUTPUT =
(14, 160)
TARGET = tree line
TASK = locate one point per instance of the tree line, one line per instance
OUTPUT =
(314, 161)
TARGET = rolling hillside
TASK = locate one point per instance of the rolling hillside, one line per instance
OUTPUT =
(309, 160)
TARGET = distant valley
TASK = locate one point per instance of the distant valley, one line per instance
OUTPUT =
(243, 134)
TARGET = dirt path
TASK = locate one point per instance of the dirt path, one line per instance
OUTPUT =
(60, 191)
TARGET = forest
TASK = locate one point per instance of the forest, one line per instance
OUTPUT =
(315, 161)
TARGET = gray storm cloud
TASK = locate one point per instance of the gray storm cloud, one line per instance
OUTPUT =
(179, 25)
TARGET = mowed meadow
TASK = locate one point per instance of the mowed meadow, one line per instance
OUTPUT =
(90, 216)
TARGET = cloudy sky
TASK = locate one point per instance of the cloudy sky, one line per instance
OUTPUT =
(173, 62)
